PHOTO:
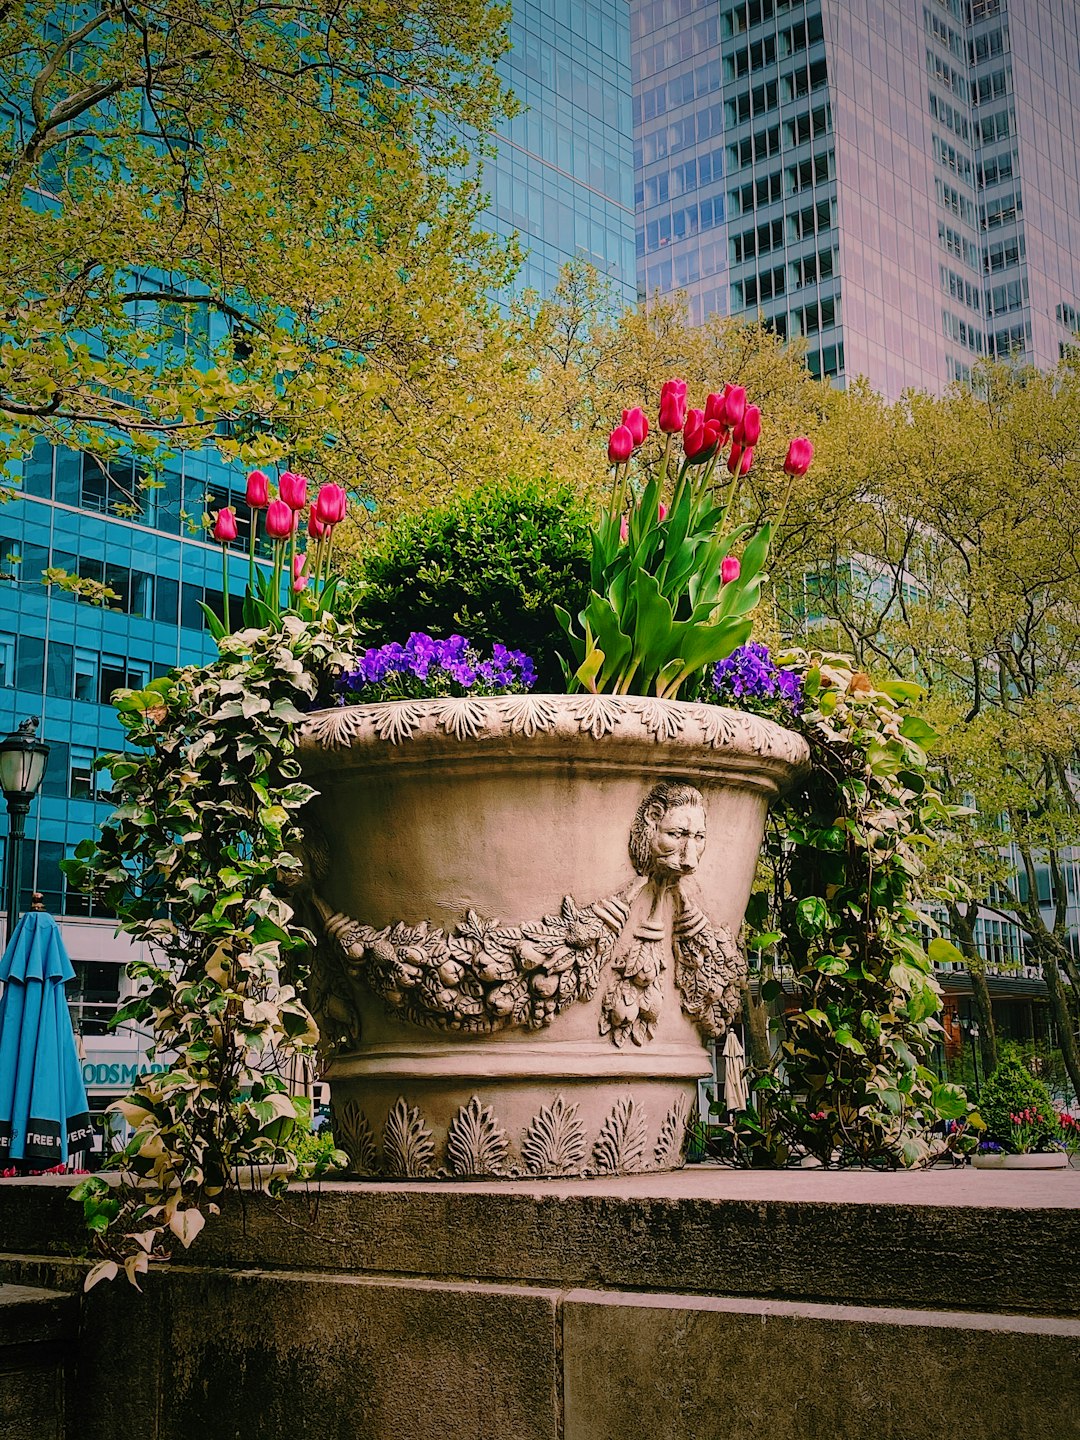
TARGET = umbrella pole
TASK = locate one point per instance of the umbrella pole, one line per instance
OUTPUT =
(17, 812)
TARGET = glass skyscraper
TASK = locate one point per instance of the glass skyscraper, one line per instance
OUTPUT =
(896, 181)
(563, 178)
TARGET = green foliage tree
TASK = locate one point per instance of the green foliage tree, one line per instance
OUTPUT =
(491, 564)
(938, 567)
(251, 227)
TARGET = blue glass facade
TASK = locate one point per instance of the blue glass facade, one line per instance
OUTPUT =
(562, 176)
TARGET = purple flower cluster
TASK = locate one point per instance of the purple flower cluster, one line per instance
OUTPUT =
(750, 674)
(427, 667)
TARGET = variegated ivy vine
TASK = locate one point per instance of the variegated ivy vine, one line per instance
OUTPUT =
(840, 920)
(195, 862)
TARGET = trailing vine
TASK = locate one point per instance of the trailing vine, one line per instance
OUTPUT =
(197, 862)
(839, 925)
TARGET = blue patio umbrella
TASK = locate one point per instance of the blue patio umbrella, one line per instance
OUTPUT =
(43, 1111)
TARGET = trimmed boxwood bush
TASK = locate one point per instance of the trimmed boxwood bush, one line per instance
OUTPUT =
(491, 565)
(1011, 1089)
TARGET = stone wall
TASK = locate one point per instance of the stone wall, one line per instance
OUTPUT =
(703, 1304)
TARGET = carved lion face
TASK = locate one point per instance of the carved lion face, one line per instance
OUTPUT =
(668, 835)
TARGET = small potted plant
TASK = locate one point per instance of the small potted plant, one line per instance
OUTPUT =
(1025, 1130)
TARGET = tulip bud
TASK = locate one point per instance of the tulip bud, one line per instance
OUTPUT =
(315, 527)
(293, 490)
(734, 405)
(739, 460)
(257, 494)
(729, 569)
(331, 504)
(620, 445)
(748, 431)
(637, 422)
(280, 519)
(672, 406)
(225, 525)
(662, 512)
(624, 529)
(299, 579)
(800, 453)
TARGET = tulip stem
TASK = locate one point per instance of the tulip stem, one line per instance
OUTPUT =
(225, 587)
(253, 530)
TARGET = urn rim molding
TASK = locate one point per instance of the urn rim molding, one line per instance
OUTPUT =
(601, 729)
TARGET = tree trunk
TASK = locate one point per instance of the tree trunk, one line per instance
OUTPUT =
(756, 1016)
(963, 926)
(1059, 1008)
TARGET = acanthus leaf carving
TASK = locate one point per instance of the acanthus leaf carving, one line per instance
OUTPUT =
(336, 728)
(476, 1144)
(408, 1147)
(596, 715)
(396, 720)
(620, 1146)
(555, 1141)
(661, 719)
(355, 1136)
(461, 717)
(528, 714)
(668, 1154)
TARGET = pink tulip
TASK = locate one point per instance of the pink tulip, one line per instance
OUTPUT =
(257, 494)
(662, 512)
(637, 422)
(748, 431)
(800, 453)
(729, 569)
(700, 437)
(225, 525)
(331, 504)
(620, 445)
(293, 490)
(299, 579)
(739, 460)
(280, 519)
(315, 527)
(672, 406)
(734, 405)
(715, 406)
(624, 529)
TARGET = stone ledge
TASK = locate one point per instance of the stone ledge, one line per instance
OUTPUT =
(940, 1240)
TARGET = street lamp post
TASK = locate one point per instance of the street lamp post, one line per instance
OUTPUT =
(23, 758)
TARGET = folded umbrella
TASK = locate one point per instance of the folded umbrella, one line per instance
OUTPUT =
(44, 1116)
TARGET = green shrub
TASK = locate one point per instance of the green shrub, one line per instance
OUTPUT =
(1011, 1089)
(490, 565)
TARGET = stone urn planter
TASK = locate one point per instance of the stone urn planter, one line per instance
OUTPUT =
(529, 908)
